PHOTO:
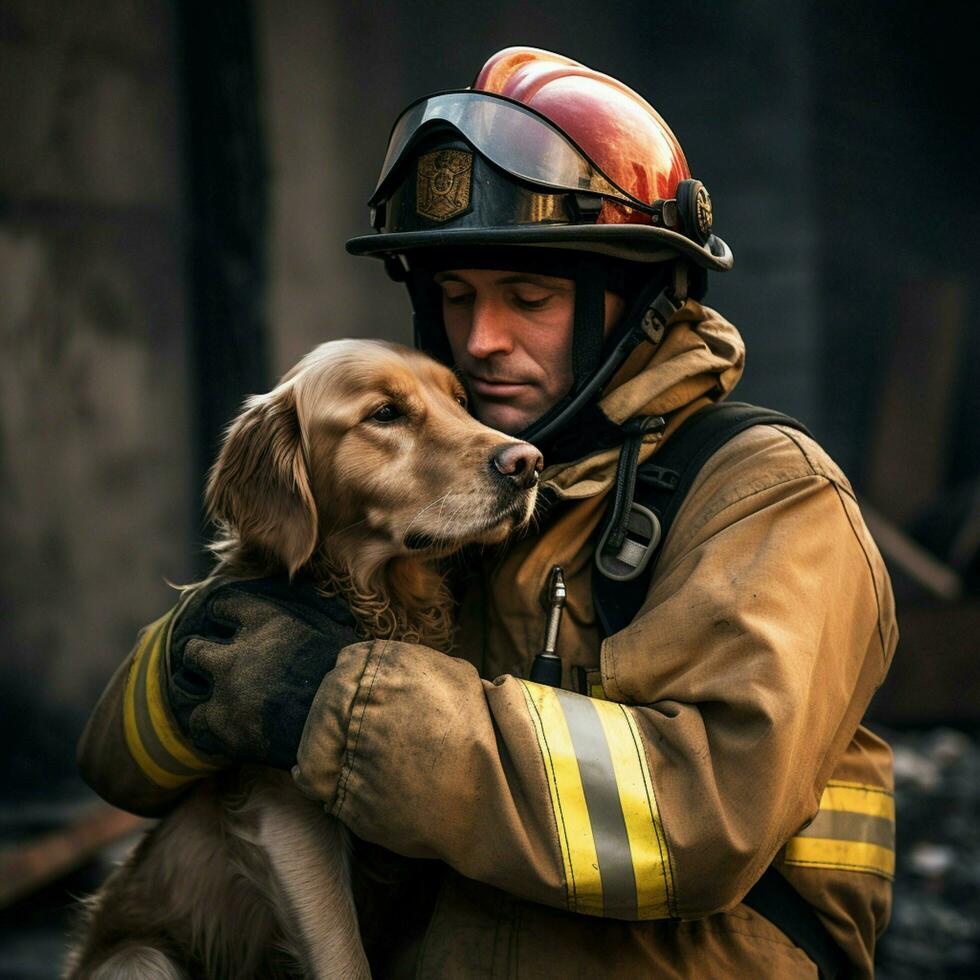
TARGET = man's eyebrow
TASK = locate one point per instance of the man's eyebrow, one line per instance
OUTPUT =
(551, 282)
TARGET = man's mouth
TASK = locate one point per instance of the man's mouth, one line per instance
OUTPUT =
(497, 388)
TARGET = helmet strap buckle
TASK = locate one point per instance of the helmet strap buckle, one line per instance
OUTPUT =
(668, 301)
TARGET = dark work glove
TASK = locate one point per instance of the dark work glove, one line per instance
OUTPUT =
(245, 661)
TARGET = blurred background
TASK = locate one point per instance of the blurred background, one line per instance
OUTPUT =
(177, 180)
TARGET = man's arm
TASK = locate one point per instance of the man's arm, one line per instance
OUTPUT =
(131, 752)
(732, 696)
(228, 673)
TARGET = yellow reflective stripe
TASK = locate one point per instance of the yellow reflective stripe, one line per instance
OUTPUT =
(134, 742)
(648, 845)
(843, 855)
(872, 801)
(169, 738)
(862, 819)
(153, 742)
(578, 850)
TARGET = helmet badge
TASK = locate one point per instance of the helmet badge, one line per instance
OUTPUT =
(443, 186)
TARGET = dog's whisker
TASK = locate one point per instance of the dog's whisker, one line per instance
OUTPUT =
(349, 527)
(430, 504)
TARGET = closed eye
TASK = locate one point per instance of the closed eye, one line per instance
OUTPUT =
(532, 304)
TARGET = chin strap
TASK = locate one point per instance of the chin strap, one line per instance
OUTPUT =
(429, 329)
(647, 319)
(631, 532)
(588, 330)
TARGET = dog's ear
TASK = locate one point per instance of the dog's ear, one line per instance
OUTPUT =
(259, 487)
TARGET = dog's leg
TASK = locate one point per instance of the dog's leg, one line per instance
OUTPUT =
(135, 963)
(309, 853)
(185, 896)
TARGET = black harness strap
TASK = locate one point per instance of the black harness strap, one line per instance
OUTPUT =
(774, 898)
(662, 485)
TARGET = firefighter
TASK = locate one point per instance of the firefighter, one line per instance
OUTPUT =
(698, 797)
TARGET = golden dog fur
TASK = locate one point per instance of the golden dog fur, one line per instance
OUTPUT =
(363, 468)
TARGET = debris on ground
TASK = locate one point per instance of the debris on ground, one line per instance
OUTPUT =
(935, 927)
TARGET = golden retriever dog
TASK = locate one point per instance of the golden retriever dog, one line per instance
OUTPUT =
(363, 468)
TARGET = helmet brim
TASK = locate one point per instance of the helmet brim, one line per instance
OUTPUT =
(635, 243)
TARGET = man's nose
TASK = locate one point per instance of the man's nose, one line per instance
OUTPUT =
(518, 462)
(489, 330)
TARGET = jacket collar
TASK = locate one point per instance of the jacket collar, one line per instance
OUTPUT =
(700, 359)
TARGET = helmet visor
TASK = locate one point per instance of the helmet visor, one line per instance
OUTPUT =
(512, 136)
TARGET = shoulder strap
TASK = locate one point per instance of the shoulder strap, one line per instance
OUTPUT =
(661, 486)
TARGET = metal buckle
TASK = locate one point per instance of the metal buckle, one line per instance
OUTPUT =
(643, 533)
(659, 476)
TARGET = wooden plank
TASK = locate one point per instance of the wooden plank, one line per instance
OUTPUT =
(903, 552)
(907, 451)
(28, 866)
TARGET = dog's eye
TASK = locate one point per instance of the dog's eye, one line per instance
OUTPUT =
(387, 413)
(462, 400)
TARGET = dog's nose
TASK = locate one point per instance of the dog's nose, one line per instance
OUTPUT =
(519, 462)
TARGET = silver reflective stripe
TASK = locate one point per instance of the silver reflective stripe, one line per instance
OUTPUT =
(605, 811)
(614, 853)
(841, 825)
(854, 830)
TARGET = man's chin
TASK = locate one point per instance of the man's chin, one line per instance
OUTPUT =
(504, 418)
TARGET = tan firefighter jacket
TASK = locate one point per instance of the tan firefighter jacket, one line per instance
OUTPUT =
(612, 828)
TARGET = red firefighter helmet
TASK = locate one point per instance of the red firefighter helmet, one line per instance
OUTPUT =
(546, 164)
(565, 157)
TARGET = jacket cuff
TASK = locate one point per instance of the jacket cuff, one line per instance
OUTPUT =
(153, 737)
(328, 746)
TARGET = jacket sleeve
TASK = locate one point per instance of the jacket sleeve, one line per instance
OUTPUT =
(727, 703)
(131, 751)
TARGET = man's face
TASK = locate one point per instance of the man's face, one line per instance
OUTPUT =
(511, 337)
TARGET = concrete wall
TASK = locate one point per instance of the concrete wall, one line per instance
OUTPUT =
(317, 187)
(93, 402)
